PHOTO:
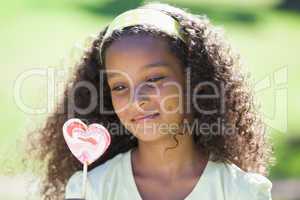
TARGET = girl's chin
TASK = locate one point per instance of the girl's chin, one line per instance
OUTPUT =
(150, 137)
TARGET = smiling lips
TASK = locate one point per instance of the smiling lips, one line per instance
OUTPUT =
(144, 117)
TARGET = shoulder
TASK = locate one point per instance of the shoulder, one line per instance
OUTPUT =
(246, 185)
(107, 171)
(97, 177)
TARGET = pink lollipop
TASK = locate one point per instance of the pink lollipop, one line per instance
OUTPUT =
(87, 143)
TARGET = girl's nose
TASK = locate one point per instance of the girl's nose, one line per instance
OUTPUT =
(140, 99)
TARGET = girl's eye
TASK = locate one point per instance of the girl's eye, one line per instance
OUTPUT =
(118, 88)
(155, 79)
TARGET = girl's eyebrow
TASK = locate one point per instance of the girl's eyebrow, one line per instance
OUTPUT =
(150, 65)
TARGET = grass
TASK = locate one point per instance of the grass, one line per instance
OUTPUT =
(40, 34)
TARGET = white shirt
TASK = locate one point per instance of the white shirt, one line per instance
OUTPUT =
(114, 180)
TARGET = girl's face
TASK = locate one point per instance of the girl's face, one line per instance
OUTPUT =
(147, 86)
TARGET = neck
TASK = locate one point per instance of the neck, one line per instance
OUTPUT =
(164, 159)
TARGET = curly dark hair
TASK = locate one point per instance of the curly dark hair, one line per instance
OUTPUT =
(208, 57)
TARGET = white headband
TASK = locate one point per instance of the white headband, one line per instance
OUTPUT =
(137, 16)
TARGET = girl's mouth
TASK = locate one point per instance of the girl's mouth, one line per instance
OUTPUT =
(141, 118)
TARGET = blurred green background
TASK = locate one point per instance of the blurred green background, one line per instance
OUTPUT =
(41, 34)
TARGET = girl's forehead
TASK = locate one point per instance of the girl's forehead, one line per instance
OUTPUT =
(140, 42)
(135, 57)
(140, 51)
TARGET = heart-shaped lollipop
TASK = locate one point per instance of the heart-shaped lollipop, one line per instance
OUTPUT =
(87, 143)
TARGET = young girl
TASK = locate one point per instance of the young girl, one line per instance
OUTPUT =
(179, 110)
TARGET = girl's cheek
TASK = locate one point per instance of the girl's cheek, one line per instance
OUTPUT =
(120, 103)
(171, 97)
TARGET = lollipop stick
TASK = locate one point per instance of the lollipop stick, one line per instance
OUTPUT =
(85, 166)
